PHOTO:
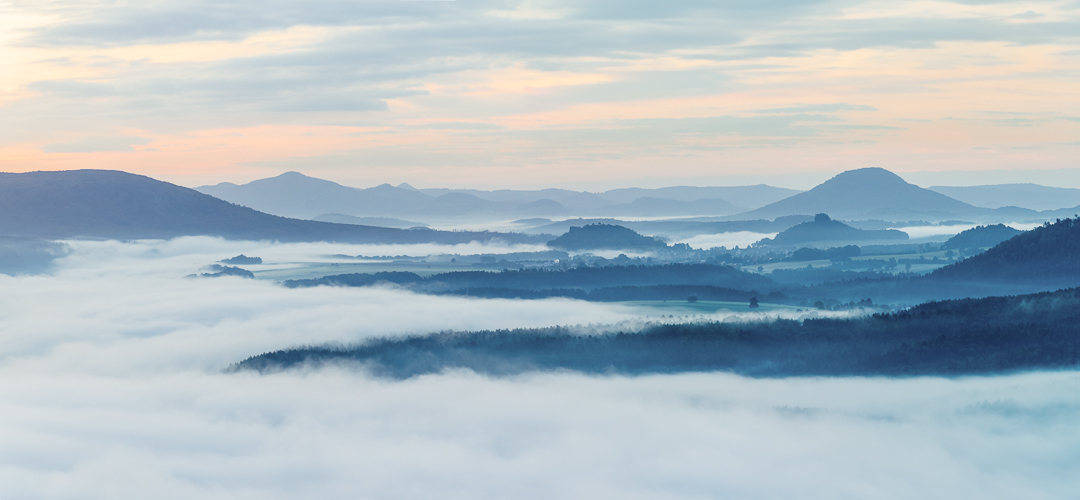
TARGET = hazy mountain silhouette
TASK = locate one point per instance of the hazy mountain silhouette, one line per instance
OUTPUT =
(572, 200)
(823, 228)
(660, 207)
(748, 197)
(1031, 196)
(296, 195)
(112, 204)
(868, 193)
(544, 206)
(368, 221)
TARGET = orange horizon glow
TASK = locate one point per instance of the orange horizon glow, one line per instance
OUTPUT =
(950, 106)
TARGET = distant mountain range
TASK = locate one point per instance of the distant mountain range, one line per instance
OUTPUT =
(296, 195)
(876, 193)
(869, 193)
(1031, 196)
(119, 205)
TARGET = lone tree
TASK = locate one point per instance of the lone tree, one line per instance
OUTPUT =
(691, 299)
(753, 303)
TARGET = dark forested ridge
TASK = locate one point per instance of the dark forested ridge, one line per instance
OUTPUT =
(1049, 255)
(112, 204)
(960, 337)
(584, 278)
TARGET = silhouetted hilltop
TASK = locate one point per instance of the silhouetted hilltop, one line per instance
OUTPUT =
(823, 228)
(868, 193)
(981, 237)
(604, 236)
(119, 205)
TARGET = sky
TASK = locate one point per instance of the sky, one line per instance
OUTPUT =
(586, 94)
(121, 394)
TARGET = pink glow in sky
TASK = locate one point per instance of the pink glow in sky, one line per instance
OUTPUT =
(584, 94)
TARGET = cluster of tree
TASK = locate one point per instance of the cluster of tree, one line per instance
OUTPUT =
(970, 336)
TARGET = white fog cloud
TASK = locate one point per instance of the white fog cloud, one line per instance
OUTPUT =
(111, 388)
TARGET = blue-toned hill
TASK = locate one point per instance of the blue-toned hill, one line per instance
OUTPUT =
(604, 237)
(119, 205)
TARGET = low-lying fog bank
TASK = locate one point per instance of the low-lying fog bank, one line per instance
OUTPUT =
(112, 388)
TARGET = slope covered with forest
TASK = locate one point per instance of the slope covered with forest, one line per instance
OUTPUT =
(961, 337)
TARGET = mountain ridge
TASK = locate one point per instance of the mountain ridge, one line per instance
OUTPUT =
(111, 204)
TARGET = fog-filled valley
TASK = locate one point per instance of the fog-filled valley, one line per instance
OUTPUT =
(539, 249)
(171, 344)
(116, 388)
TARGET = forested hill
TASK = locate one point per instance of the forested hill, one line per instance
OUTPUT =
(1049, 255)
(604, 236)
(964, 337)
(823, 228)
(585, 278)
(981, 237)
(1045, 258)
(112, 204)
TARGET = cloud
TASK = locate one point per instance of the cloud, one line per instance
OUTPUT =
(96, 144)
(113, 390)
(460, 126)
(820, 108)
(1028, 15)
(537, 68)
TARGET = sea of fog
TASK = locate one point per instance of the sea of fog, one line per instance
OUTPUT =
(111, 387)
